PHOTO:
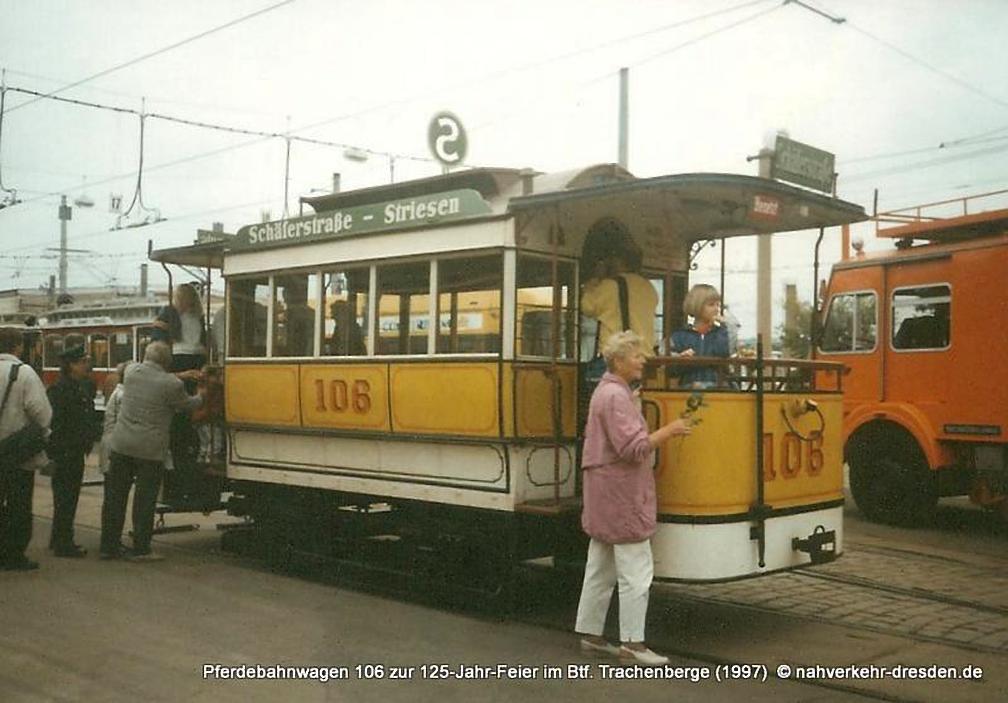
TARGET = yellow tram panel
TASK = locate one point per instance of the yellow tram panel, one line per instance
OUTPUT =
(533, 400)
(261, 394)
(712, 471)
(345, 396)
(440, 398)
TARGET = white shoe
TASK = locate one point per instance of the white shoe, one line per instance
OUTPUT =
(599, 650)
(644, 657)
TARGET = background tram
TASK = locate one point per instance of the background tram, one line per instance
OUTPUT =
(402, 367)
(111, 334)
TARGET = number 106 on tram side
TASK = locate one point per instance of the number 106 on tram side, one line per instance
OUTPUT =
(404, 366)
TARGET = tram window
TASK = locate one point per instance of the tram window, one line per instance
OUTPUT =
(535, 313)
(52, 347)
(120, 347)
(403, 308)
(851, 323)
(921, 317)
(98, 349)
(344, 314)
(74, 339)
(248, 298)
(294, 314)
(469, 305)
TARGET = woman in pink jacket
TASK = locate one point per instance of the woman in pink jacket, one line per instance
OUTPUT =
(620, 507)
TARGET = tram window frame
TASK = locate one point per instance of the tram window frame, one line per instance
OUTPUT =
(413, 317)
(943, 322)
(657, 282)
(98, 338)
(236, 327)
(52, 346)
(290, 282)
(352, 341)
(448, 339)
(568, 310)
(120, 351)
(852, 326)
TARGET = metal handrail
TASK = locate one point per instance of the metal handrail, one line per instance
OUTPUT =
(914, 213)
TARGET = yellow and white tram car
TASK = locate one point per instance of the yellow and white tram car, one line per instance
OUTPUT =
(416, 347)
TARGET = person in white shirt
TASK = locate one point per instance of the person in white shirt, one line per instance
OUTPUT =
(26, 402)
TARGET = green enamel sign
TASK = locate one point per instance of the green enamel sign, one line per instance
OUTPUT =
(802, 164)
(421, 211)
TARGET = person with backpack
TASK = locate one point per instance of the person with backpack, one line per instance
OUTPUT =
(24, 402)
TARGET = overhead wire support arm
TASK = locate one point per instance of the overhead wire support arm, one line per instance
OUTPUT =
(8, 196)
(152, 215)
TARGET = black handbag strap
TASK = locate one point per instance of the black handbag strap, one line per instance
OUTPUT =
(624, 306)
(624, 302)
(11, 377)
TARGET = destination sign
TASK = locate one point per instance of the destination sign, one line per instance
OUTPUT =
(802, 164)
(424, 210)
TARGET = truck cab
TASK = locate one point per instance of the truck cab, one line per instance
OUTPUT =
(921, 328)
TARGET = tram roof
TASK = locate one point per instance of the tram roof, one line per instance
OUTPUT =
(490, 183)
(203, 255)
(713, 205)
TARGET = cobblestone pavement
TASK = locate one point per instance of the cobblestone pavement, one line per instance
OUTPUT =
(937, 610)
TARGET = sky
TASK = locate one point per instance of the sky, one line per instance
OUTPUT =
(911, 96)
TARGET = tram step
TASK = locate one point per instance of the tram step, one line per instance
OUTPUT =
(549, 506)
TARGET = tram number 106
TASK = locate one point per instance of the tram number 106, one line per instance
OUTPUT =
(796, 454)
(340, 396)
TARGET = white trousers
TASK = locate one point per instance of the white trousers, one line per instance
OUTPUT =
(629, 566)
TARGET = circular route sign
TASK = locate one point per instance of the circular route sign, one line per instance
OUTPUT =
(447, 139)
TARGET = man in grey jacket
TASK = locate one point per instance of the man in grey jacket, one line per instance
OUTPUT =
(151, 397)
(27, 402)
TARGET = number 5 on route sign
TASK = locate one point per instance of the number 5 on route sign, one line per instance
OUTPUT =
(447, 139)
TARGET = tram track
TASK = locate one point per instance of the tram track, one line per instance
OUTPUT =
(911, 592)
(905, 553)
(542, 611)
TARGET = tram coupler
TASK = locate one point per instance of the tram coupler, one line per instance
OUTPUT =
(820, 545)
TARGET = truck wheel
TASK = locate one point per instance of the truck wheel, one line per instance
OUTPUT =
(890, 479)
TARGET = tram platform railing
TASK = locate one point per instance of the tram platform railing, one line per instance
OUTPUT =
(739, 374)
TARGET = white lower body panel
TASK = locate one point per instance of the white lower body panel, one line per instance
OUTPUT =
(492, 475)
(712, 552)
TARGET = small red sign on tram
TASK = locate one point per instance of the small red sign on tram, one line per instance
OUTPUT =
(765, 207)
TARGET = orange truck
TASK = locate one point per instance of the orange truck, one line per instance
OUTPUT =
(922, 329)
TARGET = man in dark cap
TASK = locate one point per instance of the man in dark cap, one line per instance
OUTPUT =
(73, 434)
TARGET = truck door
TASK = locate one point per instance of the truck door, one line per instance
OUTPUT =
(919, 309)
(851, 333)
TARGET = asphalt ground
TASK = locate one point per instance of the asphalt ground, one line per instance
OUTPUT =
(90, 630)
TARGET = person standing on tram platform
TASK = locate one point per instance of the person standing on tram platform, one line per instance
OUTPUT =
(74, 429)
(182, 326)
(620, 506)
(610, 254)
(26, 402)
(707, 336)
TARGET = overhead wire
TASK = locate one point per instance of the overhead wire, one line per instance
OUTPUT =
(156, 52)
(664, 52)
(261, 136)
(925, 64)
(392, 156)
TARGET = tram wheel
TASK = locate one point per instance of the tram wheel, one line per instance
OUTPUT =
(890, 478)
